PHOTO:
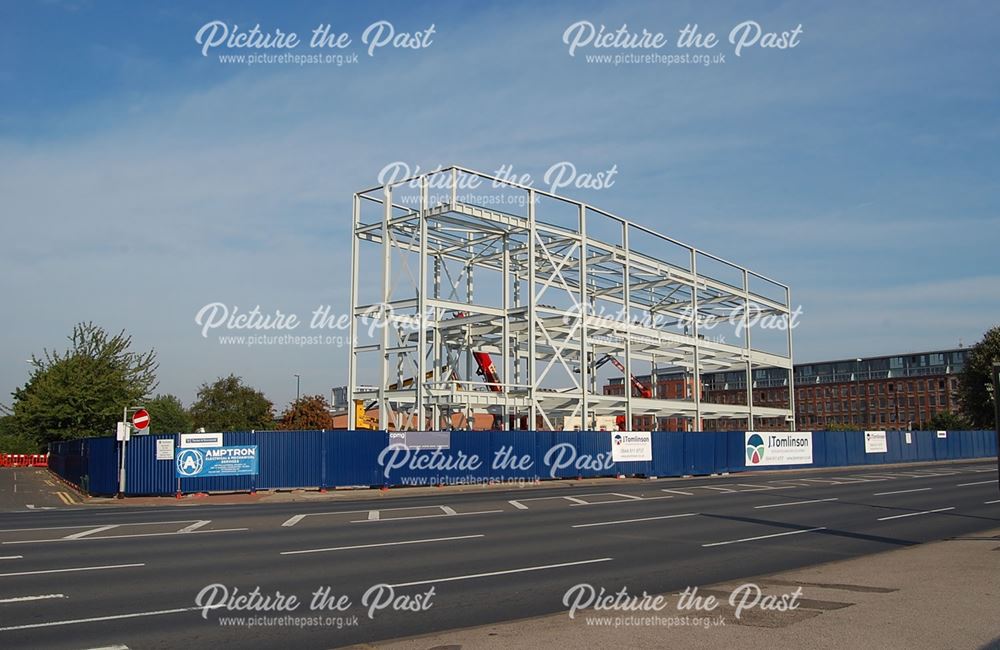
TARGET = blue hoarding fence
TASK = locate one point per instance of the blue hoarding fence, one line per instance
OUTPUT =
(248, 461)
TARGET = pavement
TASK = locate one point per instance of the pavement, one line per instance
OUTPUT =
(404, 563)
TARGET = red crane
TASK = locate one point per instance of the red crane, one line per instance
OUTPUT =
(640, 387)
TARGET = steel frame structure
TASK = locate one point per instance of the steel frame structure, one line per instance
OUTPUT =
(551, 284)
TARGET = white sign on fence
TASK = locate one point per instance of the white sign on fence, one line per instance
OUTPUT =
(778, 448)
(875, 442)
(909, 438)
(942, 434)
(189, 440)
(629, 446)
(165, 449)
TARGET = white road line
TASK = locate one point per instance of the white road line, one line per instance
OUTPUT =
(111, 647)
(687, 494)
(794, 503)
(11, 557)
(457, 514)
(518, 505)
(195, 526)
(869, 479)
(291, 521)
(131, 535)
(625, 496)
(601, 503)
(632, 521)
(448, 511)
(141, 523)
(754, 539)
(989, 502)
(976, 483)
(576, 500)
(71, 570)
(820, 480)
(720, 489)
(373, 515)
(501, 573)
(349, 548)
(757, 488)
(882, 494)
(24, 598)
(97, 619)
(914, 514)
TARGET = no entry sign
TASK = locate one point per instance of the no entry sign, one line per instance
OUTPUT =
(140, 420)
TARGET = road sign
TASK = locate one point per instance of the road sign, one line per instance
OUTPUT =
(140, 419)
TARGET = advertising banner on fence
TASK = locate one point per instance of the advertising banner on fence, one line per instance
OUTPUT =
(421, 439)
(217, 461)
(629, 446)
(875, 442)
(776, 448)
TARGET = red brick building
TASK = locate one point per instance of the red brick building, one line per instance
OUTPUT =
(889, 392)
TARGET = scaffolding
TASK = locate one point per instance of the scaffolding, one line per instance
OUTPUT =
(506, 300)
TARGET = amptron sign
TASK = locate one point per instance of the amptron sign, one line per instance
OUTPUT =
(767, 448)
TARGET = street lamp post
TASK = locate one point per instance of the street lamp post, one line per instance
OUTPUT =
(996, 413)
(860, 399)
(297, 384)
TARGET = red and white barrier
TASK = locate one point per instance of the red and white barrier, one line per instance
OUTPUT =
(24, 460)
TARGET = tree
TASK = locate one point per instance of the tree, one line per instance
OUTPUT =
(15, 443)
(309, 412)
(168, 415)
(229, 405)
(973, 391)
(948, 421)
(840, 426)
(81, 392)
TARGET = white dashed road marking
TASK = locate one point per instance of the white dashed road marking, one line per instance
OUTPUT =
(754, 539)
(914, 514)
(793, 503)
(882, 494)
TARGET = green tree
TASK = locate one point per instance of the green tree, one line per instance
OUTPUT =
(168, 415)
(840, 426)
(973, 390)
(309, 412)
(81, 392)
(948, 421)
(15, 443)
(229, 405)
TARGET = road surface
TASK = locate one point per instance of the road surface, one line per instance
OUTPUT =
(93, 576)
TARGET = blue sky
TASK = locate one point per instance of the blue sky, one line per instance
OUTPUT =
(140, 180)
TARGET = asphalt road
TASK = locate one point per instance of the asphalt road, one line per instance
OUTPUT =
(83, 577)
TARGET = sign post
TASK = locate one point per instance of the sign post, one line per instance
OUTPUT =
(140, 420)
